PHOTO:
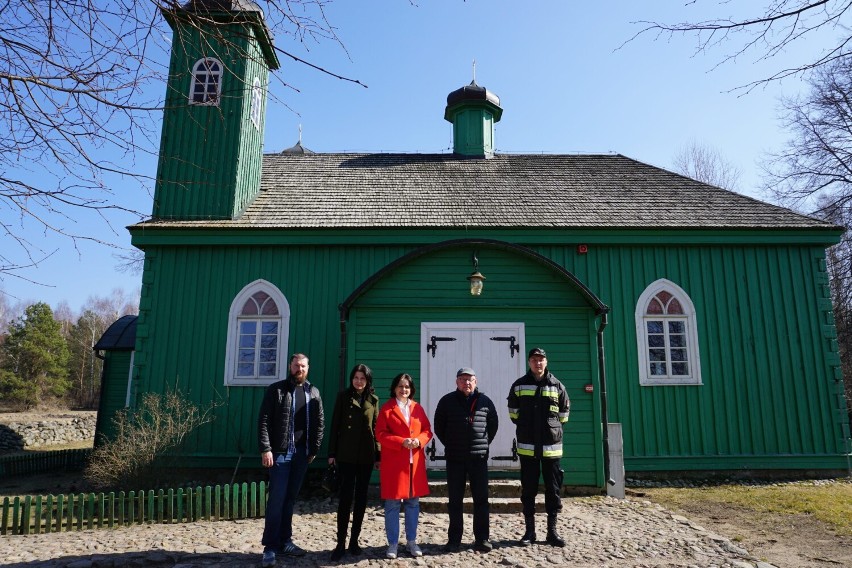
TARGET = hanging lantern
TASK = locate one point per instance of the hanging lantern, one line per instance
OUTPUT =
(476, 283)
(476, 278)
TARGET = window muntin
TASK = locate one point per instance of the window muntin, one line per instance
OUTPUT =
(666, 336)
(258, 332)
(256, 103)
(258, 348)
(667, 348)
(206, 87)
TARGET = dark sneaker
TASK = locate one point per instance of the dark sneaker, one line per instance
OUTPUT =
(528, 538)
(268, 559)
(291, 549)
(483, 546)
(451, 547)
(354, 549)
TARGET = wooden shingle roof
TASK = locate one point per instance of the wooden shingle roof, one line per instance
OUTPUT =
(507, 191)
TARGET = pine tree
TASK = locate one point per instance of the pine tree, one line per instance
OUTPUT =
(35, 358)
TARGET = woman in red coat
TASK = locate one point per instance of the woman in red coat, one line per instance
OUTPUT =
(403, 430)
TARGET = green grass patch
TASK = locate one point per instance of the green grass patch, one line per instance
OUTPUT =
(830, 503)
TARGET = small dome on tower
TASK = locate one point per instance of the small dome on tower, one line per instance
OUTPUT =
(473, 110)
(297, 148)
(472, 92)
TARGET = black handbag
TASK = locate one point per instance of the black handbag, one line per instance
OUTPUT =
(331, 479)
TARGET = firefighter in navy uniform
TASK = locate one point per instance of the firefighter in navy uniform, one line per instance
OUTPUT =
(539, 406)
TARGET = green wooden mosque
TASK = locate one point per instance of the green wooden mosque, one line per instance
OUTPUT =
(698, 319)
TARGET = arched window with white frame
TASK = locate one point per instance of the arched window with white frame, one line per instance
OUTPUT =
(206, 84)
(667, 336)
(256, 103)
(258, 334)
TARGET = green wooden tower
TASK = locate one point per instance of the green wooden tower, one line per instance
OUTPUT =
(473, 110)
(212, 140)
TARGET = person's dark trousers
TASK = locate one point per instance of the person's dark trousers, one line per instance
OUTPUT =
(552, 475)
(285, 482)
(354, 481)
(458, 472)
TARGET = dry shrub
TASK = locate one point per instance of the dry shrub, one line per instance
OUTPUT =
(146, 437)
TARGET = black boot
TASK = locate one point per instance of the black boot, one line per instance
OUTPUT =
(529, 534)
(357, 519)
(338, 551)
(553, 538)
(342, 525)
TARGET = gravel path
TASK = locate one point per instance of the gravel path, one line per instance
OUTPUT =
(600, 531)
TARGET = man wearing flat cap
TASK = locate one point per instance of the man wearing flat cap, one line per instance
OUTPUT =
(466, 423)
(539, 406)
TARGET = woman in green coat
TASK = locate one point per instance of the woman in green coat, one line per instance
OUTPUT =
(353, 449)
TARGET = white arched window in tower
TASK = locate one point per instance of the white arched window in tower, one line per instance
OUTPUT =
(258, 332)
(667, 337)
(256, 103)
(206, 84)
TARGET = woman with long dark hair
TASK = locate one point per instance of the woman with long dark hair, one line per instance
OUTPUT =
(353, 449)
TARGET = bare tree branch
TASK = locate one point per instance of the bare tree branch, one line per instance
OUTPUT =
(81, 90)
(779, 28)
(814, 169)
(701, 162)
(814, 172)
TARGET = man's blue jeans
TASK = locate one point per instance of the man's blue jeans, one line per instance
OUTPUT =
(285, 481)
(412, 511)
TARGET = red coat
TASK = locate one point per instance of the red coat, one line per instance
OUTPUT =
(391, 430)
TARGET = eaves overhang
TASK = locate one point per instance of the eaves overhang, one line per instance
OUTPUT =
(229, 234)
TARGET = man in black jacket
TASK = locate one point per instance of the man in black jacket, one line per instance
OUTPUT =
(290, 427)
(539, 406)
(466, 423)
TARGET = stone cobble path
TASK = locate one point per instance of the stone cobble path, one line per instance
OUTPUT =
(600, 531)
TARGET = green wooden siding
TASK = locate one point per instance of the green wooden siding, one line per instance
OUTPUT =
(473, 132)
(386, 320)
(190, 291)
(210, 156)
(770, 397)
(113, 392)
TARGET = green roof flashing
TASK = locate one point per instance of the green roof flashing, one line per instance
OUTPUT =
(147, 235)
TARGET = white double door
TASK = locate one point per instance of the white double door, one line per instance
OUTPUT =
(496, 352)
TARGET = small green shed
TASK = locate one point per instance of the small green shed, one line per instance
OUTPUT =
(698, 318)
(116, 348)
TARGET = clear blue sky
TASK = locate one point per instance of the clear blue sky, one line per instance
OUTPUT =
(564, 85)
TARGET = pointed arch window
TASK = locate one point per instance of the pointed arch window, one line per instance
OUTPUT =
(667, 338)
(256, 103)
(258, 334)
(206, 85)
